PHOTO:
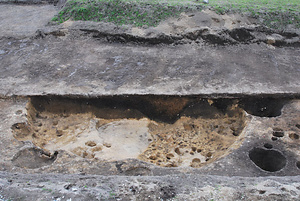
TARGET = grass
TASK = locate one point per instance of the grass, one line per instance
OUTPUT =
(118, 11)
(272, 13)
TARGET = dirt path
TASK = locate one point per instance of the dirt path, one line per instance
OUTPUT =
(24, 20)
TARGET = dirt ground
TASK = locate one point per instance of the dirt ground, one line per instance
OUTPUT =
(204, 107)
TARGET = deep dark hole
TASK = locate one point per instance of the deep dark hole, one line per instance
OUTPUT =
(298, 164)
(262, 192)
(263, 107)
(268, 146)
(277, 132)
(241, 34)
(274, 138)
(268, 160)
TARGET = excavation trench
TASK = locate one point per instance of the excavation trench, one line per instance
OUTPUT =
(168, 131)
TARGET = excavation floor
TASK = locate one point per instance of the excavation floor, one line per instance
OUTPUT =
(128, 152)
(58, 66)
(191, 110)
(150, 135)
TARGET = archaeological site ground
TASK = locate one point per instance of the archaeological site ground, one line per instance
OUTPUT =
(149, 100)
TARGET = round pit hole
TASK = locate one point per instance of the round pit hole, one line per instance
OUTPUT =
(294, 136)
(90, 143)
(196, 160)
(268, 160)
(268, 146)
(274, 138)
(209, 154)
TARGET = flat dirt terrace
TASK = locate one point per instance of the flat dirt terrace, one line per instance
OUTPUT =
(201, 107)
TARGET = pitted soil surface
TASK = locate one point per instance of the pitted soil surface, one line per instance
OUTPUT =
(200, 136)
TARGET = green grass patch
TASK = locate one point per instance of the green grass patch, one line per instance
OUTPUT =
(119, 12)
(272, 13)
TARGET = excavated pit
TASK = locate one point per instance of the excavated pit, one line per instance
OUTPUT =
(167, 131)
(268, 160)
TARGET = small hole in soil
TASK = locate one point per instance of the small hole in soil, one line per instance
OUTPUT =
(196, 160)
(209, 154)
(298, 126)
(235, 133)
(169, 156)
(278, 132)
(19, 112)
(268, 160)
(90, 143)
(294, 136)
(274, 138)
(298, 164)
(268, 146)
(177, 151)
(262, 192)
(153, 157)
(107, 145)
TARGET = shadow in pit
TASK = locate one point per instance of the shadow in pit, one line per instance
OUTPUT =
(268, 160)
(263, 106)
(167, 109)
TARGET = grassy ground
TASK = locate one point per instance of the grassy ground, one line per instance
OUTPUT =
(272, 13)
